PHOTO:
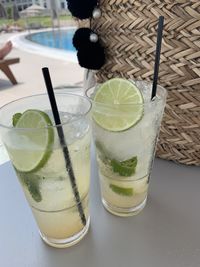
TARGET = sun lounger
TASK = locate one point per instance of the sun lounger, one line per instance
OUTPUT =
(5, 67)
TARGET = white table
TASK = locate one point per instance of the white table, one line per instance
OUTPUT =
(165, 234)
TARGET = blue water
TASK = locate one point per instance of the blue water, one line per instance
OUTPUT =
(60, 39)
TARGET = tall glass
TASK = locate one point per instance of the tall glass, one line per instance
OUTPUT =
(62, 217)
(125, 158)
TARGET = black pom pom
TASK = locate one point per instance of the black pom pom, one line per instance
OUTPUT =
(91, 57)
(82, 9)
(82, 38)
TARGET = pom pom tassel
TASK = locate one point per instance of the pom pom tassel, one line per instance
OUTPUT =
(82, 38)
(90, 54)
(82, 9)
(91, 57)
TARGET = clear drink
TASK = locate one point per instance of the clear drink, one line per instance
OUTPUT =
(48, 187)
(125, 156)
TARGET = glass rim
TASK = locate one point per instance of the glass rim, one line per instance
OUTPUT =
(145, 103)
(76, 118)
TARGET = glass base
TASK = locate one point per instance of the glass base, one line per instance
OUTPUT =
(124, 212)
(68, 242)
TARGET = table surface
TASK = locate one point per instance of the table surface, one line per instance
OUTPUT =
(165, 234)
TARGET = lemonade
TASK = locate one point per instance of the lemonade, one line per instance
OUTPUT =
(39, 158)
(125, 128)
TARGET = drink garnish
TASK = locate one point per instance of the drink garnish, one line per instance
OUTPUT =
(124, 168)
(38, 144)
(122, 190)
(15, 118)
(37, 147)
(118, 105)
(33, 184)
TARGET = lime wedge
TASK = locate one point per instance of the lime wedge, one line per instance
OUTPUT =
(35, 138)
(117, 105)
(122, 190)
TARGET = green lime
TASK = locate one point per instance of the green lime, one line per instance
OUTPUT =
(124, 168)
(118, 105)
(122, 190)
(36, 139)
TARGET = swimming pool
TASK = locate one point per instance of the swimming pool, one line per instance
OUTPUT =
(60, 39)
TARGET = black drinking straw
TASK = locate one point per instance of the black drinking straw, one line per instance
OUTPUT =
(157, 58)
(68, 163)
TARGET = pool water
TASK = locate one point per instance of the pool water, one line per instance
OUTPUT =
(60, 39)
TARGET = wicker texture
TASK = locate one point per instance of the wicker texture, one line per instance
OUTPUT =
(128, 31)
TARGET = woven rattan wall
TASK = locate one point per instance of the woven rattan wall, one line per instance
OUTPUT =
(128, 30)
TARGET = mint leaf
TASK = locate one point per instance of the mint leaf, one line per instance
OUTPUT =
(33, 184)
(124, 168)
(33, 187)
(15, 118)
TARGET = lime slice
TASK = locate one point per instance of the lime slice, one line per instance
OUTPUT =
(122, 190)
(35, 143)
(117, 105)
(124, 168)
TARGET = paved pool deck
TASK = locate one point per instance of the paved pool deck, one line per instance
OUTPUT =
(29, 75)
